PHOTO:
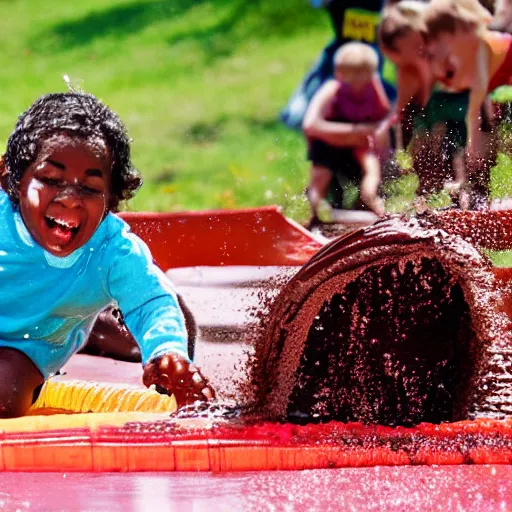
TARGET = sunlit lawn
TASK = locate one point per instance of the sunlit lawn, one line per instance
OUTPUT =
(199, 83)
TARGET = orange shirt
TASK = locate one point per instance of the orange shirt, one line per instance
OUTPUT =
(500, 46)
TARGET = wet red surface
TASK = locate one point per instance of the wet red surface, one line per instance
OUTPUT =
(377, 488)
(461, 488)
(257, 236)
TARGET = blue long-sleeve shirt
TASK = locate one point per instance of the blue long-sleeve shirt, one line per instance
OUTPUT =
(48, 304)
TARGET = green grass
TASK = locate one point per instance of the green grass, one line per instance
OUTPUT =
(199, 84)
(500, 258)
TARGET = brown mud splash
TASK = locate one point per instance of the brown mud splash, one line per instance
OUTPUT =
(396, 324)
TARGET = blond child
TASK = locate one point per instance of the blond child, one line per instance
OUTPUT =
(402, 34)
(403, 38)
(355, 95)
(465, 54)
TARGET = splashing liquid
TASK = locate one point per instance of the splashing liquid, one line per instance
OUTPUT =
(397, 324)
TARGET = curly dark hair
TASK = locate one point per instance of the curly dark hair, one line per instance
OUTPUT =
(77, 114)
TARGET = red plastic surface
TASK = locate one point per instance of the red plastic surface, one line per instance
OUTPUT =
(260, 236)
(235, 445)
(206, 445)
(265, 237)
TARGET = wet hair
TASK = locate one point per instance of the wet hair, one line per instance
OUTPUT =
(356, 56)
(398, 19)
(79, 115)
(448, 16)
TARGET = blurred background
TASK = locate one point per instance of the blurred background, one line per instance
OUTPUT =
(199, 84)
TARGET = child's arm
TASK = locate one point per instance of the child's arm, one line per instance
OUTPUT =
(477, 98)
(408, 88)
(473, 123)
(335, 133)
(384, 106)
(152, 314)
(381, 134)
(411, 86)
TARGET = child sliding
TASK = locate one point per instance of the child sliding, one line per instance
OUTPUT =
(64, 256)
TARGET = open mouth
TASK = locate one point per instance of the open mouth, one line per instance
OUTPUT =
(63, 230)
(448, 77)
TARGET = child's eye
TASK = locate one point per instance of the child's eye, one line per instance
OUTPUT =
(54, 182)
(90, 190)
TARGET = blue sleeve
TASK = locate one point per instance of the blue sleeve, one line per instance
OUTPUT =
(146, 298)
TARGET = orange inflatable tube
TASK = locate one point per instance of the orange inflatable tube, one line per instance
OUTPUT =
(131, 442)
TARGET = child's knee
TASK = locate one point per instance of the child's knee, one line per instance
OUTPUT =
(320, 177)
(14, 402)
(110, 337)
(19, 384)
(16, 398)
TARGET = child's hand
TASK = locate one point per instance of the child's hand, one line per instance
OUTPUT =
(173, 374)
(381, 134)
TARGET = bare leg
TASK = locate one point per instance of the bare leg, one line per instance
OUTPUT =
(370, 166)
(479, 172)
(318, 187)
(457, 188)
(429, 163)
(111, 338)
(20, 380)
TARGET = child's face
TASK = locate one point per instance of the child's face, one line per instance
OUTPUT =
(410, 56)
(451, 57)
(443, 61)
(65, 192)
(409, 50)
(357, 79)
